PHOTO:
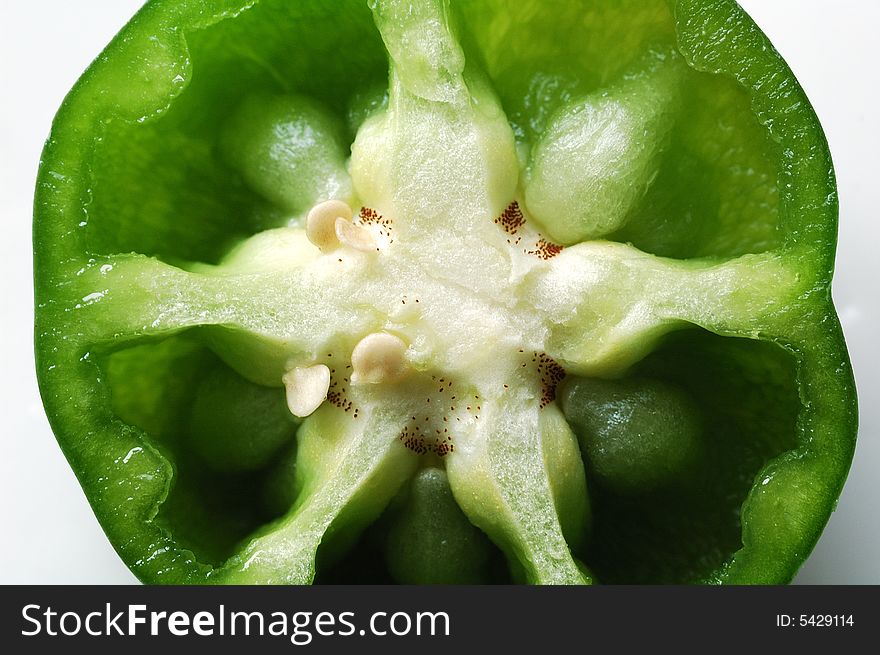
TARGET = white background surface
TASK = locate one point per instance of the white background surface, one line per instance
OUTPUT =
(49, 534)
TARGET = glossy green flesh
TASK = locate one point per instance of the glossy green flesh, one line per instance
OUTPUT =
(597, 309)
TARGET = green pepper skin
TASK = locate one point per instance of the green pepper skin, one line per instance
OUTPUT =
(149, 67)
(812, 476)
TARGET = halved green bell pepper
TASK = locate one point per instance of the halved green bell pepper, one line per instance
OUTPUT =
(440, 291)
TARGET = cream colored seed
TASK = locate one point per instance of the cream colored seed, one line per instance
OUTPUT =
(307, 388)
(379, 357)
(355, 236)
(321, 223)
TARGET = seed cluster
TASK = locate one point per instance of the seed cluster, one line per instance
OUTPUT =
(369, 216)
(429, 433)
(551, 374)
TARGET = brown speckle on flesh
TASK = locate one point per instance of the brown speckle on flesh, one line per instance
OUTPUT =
(544, 249)
(369, 216)
(511, 218)
(551, 374)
